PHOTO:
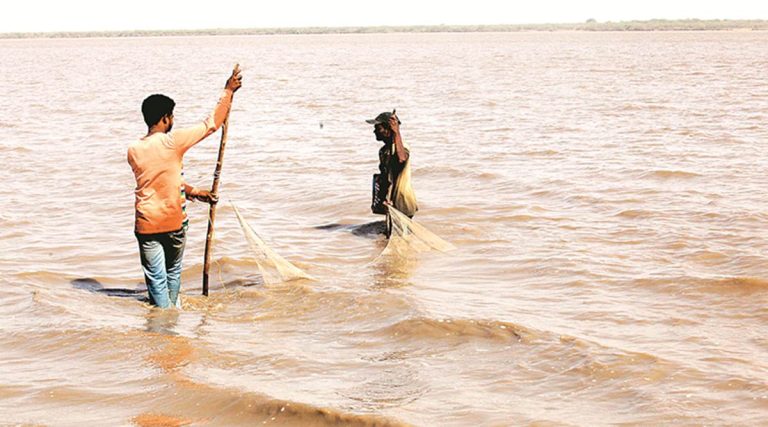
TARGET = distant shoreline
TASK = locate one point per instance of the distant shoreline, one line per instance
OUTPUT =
(591, 25)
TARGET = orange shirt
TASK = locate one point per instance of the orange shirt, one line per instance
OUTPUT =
(156, 163)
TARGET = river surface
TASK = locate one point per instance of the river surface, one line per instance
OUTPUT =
(606, 193)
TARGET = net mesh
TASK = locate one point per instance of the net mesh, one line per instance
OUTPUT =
(407, 235)
(405, 197)
(273, 268)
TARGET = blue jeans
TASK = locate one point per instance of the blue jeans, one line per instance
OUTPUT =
(161, 256)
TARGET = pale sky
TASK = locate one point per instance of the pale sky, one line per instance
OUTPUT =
(101, 15)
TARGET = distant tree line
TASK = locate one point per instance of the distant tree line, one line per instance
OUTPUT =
(589, 25)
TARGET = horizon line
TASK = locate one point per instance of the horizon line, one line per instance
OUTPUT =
(691, 24)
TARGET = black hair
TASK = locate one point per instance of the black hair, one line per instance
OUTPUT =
(155, 107)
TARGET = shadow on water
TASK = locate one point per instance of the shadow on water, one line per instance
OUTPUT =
(93, 285)
(371, 229)
(140, 293)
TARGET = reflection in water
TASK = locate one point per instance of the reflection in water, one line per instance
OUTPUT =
(173, 353)
(393, 268)
(395, 381)
(161, 321)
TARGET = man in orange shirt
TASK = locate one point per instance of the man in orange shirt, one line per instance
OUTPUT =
(156, 161)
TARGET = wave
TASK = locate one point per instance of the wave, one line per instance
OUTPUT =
(519, 218)
(670, 174)
(92, 283)
(723, 285)
(14, 149)
(538, 153)
(567, 355)
(425, 328)
(455, 172)
(635, 213)
(647, 106)
(709, 256)
(190, 403)
(251, 409)
(498, 129)
(41, 277)
(739, 284)
(597, 361)
(204, 403)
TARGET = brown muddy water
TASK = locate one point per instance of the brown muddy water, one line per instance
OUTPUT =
(606, 193)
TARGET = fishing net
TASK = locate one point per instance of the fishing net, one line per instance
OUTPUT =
(404, 196)
(273, 268)
(407, 235)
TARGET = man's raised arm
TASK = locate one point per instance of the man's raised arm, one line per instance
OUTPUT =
(185, 138)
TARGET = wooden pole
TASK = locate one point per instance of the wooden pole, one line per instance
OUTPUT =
(215, 190)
